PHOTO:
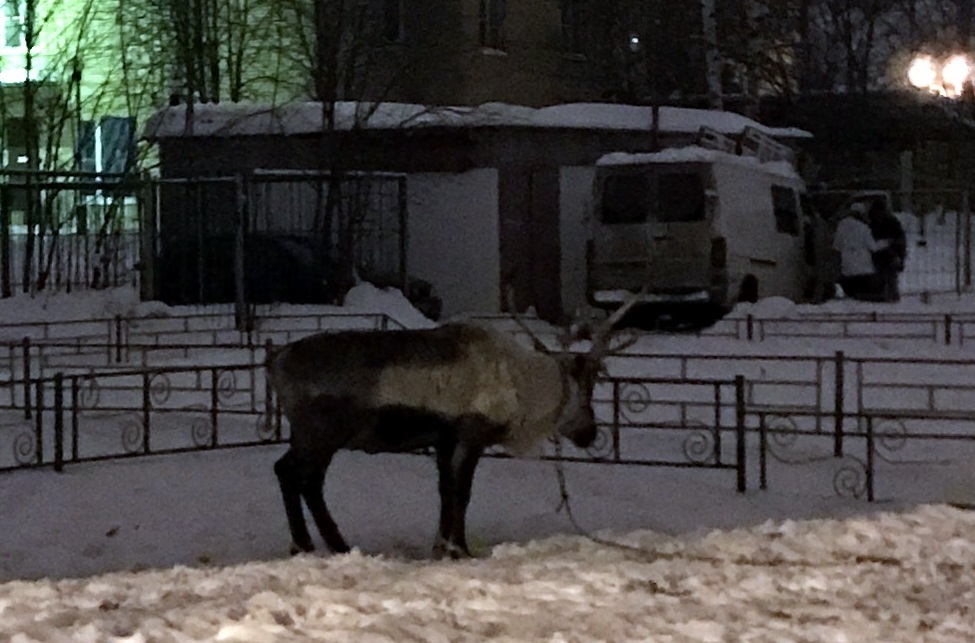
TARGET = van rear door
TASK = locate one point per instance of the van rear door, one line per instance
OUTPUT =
(653, 227)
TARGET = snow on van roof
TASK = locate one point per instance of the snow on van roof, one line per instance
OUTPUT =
(243, 119)
(695, 153)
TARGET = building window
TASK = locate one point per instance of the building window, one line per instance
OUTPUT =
(393, 20)
(107, 146)
(12, 15)
(573, 27)
(492, 14)
(786, 210)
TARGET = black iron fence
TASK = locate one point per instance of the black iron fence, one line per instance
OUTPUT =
(138, 387)
(62, 231)
(110, 415)
(266, 236)
(99, 416)
(121, 342)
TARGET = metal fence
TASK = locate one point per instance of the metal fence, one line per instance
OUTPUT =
(855, 424)
(79, 418)
(127, 387)
(938, 225)
(276, 236)
(63, 231)
(267, 236)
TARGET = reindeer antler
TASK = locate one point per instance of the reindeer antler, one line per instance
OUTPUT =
(604, 334)
(537, 343)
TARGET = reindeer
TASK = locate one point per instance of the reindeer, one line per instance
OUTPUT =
(458, 388)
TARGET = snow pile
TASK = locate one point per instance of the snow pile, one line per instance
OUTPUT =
(61, 306)
(893, 577)
(767, 308)
(367, 298)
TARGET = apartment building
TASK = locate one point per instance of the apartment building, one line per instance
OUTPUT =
(98, 68)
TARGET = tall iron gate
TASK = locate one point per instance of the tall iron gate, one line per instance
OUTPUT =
(276, 236)
(269, 236)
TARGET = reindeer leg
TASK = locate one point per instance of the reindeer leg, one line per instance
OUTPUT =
(312, 491)
(289, 479)
(456, 462)
(445, 452)
(465, 462)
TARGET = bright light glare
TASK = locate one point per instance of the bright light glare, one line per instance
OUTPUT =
(955, 73)
(922, 73)
(946, 79)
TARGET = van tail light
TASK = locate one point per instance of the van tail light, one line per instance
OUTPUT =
(719, 253)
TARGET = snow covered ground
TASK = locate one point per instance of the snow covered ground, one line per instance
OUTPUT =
(194, 547)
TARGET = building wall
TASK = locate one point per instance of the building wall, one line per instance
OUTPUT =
(453, 238)
(575, 207)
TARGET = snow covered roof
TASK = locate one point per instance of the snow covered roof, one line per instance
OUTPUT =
(243, 119)
(694, 153)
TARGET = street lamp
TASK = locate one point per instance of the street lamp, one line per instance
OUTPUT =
(946, 78)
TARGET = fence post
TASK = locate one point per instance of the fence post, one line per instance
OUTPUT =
(39, 418)
(25, 345)
(740, 431)
(214, 404)
(75, 399)
(762, 452)
(59, 422)
(268, 393)
(717, 422)
(616, 420)
(948, 329)
(958, 248)
(241, 317)
(6, 290)
(870, 462)
(146, 410)
(838, 403)
(118, 339)
(750, 327)
(966, 216)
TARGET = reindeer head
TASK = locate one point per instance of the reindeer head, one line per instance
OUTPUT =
(579, 370)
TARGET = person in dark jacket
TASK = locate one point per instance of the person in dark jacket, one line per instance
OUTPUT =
(890, 258)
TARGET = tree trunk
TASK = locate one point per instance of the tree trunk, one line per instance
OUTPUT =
(712, 54)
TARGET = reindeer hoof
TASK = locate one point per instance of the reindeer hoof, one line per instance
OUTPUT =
(296, 549)
(443, 550)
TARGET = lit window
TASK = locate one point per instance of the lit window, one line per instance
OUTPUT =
(13, 24)
(492, 14)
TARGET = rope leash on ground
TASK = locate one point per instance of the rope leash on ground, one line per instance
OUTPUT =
(649, 556)
(565, 504)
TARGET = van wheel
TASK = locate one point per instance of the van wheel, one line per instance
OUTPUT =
(748, 291)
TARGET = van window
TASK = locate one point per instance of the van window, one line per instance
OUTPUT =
(784, 205)
(625, 198)
(680, 197)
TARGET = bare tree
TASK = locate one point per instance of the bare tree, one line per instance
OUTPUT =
(46, 113)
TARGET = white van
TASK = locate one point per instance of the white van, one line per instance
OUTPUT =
(706, 226)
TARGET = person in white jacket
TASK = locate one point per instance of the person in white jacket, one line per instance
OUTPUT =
(856, 245)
